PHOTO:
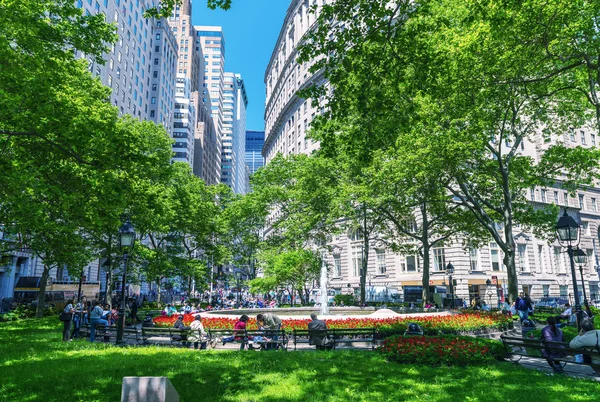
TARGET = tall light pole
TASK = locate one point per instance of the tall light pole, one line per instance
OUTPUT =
(450, 272)
(126, 241)
(567, 232)
(238, 277)
(581, 259)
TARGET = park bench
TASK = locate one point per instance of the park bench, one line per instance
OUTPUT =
(103, 332)
(165, 335)
(517, 348)
(254, 339)
(336, 336)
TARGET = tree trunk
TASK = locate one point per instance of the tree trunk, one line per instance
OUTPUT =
(39, 312)
(426, 263)
(365, 258)
(158, 293)
(109, 285)
(426, 256)
(509, 241)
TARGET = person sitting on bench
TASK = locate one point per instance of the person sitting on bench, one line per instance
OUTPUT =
(588, 338)
(551, 333)
(320, 341)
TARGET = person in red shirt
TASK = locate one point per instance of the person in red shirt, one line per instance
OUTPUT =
(241, 325)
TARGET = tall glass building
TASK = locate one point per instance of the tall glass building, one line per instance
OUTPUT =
(254, 145)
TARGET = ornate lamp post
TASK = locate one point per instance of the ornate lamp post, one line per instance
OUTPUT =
(581, 259)
(450, 272)
(567, 232)
(238, 277)
(126, 241)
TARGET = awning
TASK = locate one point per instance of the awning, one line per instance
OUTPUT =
(28, 283)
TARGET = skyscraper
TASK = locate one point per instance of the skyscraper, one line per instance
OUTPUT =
(255, 140)
(226, 94)
(201, 145)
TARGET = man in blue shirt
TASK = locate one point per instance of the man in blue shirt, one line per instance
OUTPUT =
(522, 306)
(95, 319)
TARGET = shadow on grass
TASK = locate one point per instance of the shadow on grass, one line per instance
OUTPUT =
(38, 368)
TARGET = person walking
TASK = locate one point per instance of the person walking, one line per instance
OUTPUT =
(522, 306)
(96, 319)
(66, 319)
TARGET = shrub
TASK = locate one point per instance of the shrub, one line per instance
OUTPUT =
(441, 350)
(569, 333)
(348, 300)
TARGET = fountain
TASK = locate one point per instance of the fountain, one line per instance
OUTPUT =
(324, 304)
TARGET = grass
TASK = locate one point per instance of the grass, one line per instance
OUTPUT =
(36, 366)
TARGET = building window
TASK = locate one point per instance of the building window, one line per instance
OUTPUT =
(585, 228)
(543, 195)
(558, 260)
(357, 261)
(473, 259)
(381, 266)
(523, 264)
(439, 259)
(337, 267)
(564, 291)
(593, 138)
(546, 290)
(594, 205)
(581, 201)
(356, 235)
(594, 291)
(582, 137)
(411, 263)
(495, 256)
(556, 198)
(572, 134)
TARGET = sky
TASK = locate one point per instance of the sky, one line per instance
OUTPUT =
(251, 28)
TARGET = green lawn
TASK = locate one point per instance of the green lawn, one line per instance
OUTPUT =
(36, 366)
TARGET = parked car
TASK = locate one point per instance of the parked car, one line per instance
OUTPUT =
(553, 302)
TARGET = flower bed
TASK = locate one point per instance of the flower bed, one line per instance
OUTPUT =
(441, 350)
(431, 325)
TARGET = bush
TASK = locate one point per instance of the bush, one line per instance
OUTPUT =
(348, 300)
(569, 333)
(22, 311)
(442, 350)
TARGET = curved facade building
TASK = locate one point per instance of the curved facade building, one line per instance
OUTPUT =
(542, 267)
(287, 116)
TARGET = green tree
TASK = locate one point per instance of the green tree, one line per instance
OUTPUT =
(297, 268)
(464, 82)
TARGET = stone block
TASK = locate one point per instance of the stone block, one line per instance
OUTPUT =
(148, 389)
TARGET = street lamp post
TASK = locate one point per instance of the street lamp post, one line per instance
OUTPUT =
(238, 277)
(126, 241)
(567, 231)
(581, 259)
(450, 271)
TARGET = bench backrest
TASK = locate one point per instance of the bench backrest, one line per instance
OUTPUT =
(547, 345)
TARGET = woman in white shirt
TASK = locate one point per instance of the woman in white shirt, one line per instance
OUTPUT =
(197, 333)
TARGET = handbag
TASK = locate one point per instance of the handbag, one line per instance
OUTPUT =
(64, 316)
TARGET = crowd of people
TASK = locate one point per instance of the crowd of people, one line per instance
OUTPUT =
(74, 316)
